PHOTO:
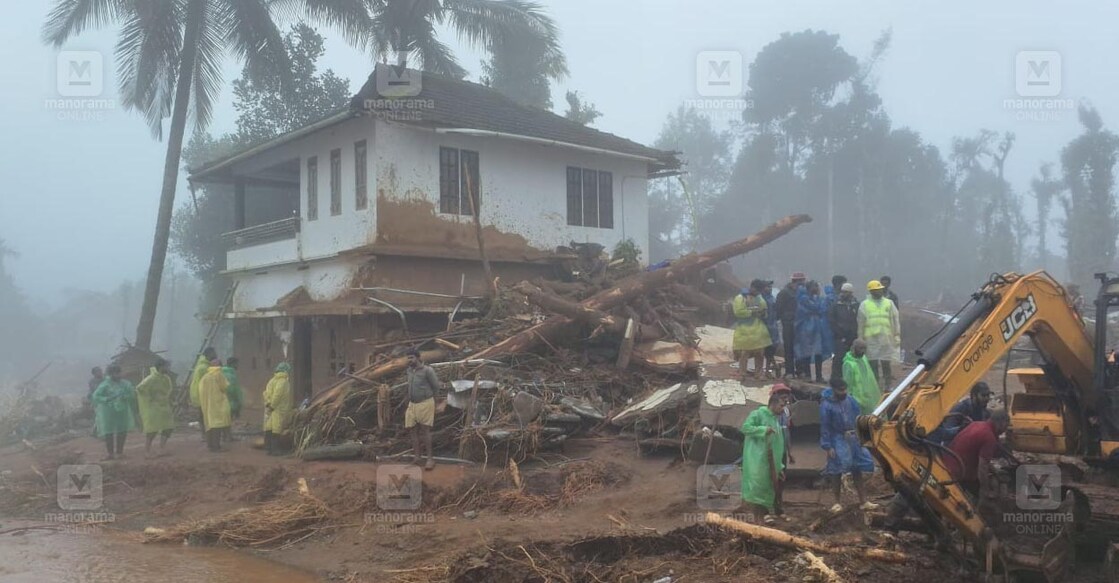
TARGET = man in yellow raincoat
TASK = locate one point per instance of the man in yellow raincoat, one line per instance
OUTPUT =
(201, 366)
(751, 335)
(215, 404)
(763, 456)
(277, 408)
(153, 395)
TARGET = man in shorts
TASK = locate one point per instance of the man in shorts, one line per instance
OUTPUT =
(423, 385)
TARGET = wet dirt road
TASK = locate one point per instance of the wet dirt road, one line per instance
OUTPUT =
(42, 556)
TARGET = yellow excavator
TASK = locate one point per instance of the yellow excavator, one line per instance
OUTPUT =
(1070, 407)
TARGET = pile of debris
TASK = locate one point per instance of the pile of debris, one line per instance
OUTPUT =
(549, 361)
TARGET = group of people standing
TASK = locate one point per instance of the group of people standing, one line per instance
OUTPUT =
(215, 391)
(814, 324)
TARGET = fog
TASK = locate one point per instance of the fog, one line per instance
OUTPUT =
(80, 195)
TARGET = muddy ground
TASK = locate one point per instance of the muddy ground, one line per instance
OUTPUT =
(598, 511)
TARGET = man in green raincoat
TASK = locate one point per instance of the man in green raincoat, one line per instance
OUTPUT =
(277, 408)
(153, 394)
(201, 366)
(112, 402)
(751, 335)
(763, 456)
(861, 383)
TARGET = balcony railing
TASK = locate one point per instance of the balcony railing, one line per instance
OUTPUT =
(264, 233)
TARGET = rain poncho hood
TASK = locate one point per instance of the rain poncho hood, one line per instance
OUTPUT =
(112, 403)
(153, 395)
(757, 450)
(214, 399)
(837, 432)
(278, 403)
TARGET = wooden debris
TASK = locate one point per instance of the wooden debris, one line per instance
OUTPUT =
(790, 541)
(818, 564)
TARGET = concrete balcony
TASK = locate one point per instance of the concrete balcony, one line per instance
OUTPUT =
(262, 245)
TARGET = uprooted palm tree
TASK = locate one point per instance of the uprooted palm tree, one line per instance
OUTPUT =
(169, 57)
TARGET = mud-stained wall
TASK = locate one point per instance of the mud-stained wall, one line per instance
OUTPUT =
(443, 276)
(523, 195)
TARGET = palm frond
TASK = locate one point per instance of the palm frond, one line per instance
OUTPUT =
(148, 51)
(253, 37)
(209, 52)
(350, 17)
(69, 18)
(481, 22)
(436, 57)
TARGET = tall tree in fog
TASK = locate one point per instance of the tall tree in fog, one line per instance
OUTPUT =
(522, 68)
(674, 207)
(406, 29)
(169, 57)
(1044, 188)
(1091, 225)
(267, 104)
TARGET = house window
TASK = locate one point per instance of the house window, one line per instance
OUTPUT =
(312, 188)
(590, 198)
(336, 182)
(458, 179)
(361, 196)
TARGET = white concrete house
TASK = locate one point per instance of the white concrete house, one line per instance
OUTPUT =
(359, 228)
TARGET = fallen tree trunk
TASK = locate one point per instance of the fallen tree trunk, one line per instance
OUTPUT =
(374, 372)
(817, 563)
(579, 313)
(636, 285)
(790, 541)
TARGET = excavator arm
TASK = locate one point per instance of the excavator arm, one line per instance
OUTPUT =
(998, 315)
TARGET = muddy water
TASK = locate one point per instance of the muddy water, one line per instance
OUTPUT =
(48, 556)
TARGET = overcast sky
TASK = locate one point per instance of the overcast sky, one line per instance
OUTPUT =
(80, 196)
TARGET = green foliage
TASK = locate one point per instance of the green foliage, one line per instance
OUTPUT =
(627, 251)
(580, 111)
(1091, 223)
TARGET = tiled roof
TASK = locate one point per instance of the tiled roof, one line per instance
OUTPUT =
(451, 103)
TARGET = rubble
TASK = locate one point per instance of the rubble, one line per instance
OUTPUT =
(551, 360)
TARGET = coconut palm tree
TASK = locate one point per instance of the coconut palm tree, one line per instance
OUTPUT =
(169, 58)
(406, 29)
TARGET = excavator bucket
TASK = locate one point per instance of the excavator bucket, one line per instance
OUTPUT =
(1054, 557)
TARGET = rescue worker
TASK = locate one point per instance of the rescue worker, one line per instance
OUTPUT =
(214, 399)
(810, 330)
(970, 408)
(112, 402)
(153, 395)
(423, 386)
(278, 409)
(975, 446)
(880, 328)
(200, 367)
(234, 392)
(843, 316)
(763, 456)
(95, 379)
(771, 323)
(751, 336)
(846, 455)
(785, 419)
(861, 382)
(890, 295)
(787, 313)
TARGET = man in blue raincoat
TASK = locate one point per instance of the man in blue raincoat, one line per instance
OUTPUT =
(846, 455)
(811, 326)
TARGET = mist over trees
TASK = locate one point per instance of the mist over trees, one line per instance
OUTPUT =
(885, 200)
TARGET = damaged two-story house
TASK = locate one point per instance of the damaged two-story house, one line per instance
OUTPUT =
(359, 228)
